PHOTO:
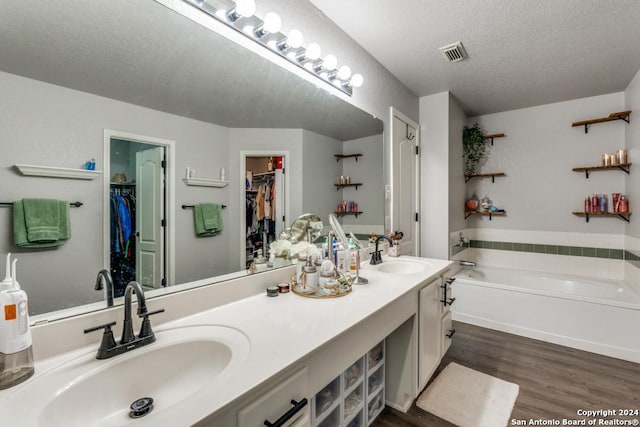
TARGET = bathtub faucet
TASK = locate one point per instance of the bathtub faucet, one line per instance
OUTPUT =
(467, 263)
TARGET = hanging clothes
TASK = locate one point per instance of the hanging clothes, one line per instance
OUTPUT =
(123, 237)
(260, 202)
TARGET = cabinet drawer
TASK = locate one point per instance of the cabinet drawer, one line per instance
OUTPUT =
(276, 401)
(446, 334)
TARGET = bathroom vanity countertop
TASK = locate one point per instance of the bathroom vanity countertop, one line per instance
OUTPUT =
(281, 330)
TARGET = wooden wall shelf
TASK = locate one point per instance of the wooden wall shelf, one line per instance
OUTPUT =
(587, 169)
(490, 214)
(349, 213)
(468, 176)
(495, 135)
(346, 156)
(620, 115)
(622, 215)
(353, 184)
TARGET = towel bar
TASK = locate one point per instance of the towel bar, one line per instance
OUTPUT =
(193, 206)
(72, 204)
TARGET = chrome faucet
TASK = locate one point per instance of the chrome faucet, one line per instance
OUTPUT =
(104, 274)
(108, 346)
(463, 241)
(467, 263)
(376, 257)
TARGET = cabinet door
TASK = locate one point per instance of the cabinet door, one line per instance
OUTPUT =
(429, 332)
(446, 334)
(276, 400)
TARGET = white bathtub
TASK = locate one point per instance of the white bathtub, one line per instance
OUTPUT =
(594, 315)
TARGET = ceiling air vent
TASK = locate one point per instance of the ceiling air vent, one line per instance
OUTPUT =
(454, 52)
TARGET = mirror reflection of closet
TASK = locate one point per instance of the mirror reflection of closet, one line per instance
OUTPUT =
(265, 204)
(137, 202)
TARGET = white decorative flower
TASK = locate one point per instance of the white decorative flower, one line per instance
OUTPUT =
(280, 247)
(304, 249)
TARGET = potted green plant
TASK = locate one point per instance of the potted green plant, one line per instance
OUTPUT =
(474, 148)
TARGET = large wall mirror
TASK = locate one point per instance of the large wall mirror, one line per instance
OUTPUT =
(133, 84)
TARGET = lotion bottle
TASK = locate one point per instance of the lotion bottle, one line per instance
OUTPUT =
(16, 350)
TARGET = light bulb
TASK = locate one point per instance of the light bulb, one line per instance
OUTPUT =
(330, 62)
(295, 39)
(356, 80)
(272, 23)
(245, 8)
(344, 73)
(313, 51)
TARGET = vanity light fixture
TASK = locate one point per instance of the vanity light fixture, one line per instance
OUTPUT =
(243, 9)
(271, 25)
(356, 80)
(310, 54)
(240, 16)
(293, 40)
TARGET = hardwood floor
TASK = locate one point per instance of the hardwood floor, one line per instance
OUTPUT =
(555, 381)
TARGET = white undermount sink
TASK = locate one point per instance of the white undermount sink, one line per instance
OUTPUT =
(181, 366)
(402, 267)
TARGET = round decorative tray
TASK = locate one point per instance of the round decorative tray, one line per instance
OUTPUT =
(344, 287)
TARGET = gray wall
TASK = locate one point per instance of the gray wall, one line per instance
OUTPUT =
(368, 170)
(53, 126)
(381, 89)
(632, 141)
(540, 190)
(266, 140)
(632, 138)
(319, 173)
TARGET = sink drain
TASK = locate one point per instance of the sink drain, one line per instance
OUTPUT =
(141, 407)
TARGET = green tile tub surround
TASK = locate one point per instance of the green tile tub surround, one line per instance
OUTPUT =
(581, 251)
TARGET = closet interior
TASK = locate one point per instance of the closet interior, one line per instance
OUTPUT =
(264, 197)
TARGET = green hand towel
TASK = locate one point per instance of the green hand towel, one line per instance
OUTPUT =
(42, 218)
(207, 219)
(45, 231)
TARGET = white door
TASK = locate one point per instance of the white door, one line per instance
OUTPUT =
(280, 218)
(149, 216)
(405, 184)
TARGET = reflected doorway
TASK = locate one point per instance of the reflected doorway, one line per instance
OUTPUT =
(137, 222)
(405, 178)
(265, 202)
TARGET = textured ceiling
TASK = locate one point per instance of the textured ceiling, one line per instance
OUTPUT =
(146, 54)
(521, 53)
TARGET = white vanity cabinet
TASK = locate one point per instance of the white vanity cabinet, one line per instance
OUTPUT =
(283, 404)
(282, 401)
(429, 329)
(434, 326)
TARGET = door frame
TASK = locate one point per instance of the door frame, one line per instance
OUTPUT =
(170, 231)
(395, 113)
(243, 208)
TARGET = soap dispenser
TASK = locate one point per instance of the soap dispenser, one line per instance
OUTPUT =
(16, 351)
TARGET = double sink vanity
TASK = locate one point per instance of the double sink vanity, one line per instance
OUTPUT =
(245, 362)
